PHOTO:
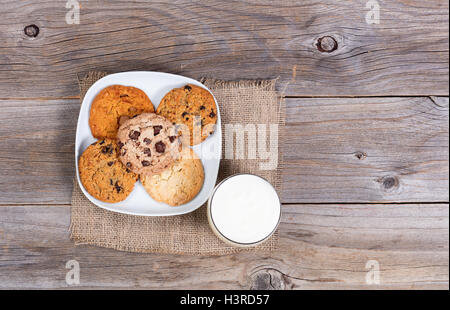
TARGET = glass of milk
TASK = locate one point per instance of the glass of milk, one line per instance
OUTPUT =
(244, 210)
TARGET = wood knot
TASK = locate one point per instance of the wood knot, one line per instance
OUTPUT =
(31, 31)
(360, 155)
(327, 44)
(389, 182)
(267, 280)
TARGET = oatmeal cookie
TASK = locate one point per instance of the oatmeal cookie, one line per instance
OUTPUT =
(178, 184)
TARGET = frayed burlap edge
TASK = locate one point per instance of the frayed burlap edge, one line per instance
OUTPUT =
(261, 84)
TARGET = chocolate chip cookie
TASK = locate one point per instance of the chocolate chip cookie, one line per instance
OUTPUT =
(178, 184)
(148, 144)
(103, 175)
(191, 106)
(113, 105)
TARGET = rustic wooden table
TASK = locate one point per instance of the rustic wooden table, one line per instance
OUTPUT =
(366, 148)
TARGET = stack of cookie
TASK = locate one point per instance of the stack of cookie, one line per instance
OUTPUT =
(137, 143)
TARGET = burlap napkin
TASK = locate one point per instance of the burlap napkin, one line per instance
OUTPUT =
(242, 102)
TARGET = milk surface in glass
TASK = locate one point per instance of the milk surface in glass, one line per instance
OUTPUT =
(245, 209)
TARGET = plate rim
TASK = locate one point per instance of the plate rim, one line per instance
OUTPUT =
(218, 131)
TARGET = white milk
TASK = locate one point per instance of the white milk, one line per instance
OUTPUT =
(245, 209)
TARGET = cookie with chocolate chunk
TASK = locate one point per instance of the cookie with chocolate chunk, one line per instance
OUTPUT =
(148, 144)
(103, 175)
(192, 106)
(113, 105)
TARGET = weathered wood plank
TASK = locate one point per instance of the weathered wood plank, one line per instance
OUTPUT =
(405, 54)
(321, 247)
(37, 150)
(335, 150)
(366, 150)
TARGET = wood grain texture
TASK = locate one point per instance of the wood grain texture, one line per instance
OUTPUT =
(37, 153)
(349, 150)
(407, 53)
(321, 247)
(335, 150)
(366, 150)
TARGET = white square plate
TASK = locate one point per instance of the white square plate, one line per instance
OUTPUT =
(155, 85)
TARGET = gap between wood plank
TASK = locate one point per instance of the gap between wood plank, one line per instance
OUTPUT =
(45, 98)
(284, 97)
(283, 204)
(368, 96)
